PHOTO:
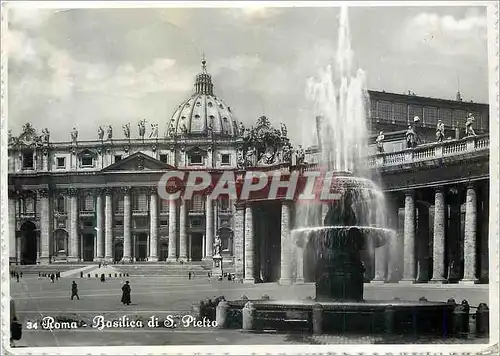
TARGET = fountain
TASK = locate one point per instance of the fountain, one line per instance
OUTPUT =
(353, 223)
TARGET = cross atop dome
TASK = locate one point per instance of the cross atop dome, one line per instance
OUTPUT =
(203, 63)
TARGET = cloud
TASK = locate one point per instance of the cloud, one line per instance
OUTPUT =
(255, 13)
(445, 34)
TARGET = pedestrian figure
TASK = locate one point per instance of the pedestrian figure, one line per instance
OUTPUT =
(39, 274)
(189, 275)
(17, 277)
(74, 291)
(81, 274)
(126, 293)
(99, 264)
(21, 274)
(229, 277)
(58, 275)
(103, 278)
(52, 277)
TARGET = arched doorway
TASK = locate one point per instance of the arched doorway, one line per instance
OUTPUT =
(88, 247)
(118, 250)
(28, 243)
(163, 251)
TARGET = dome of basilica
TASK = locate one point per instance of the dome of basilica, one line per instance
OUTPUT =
(202, 113)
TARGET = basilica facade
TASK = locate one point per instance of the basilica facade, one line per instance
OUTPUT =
(82, 201)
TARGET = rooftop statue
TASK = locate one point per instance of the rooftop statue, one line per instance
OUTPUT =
(110, 132)
(284, 131)
(100, 133)
(154, 131)
(142, 128)
(469, 131)
(380, 142)
(241, 129)
(46, 135)
(411, 137)
(126, 130)
(440, 131)
(74, 135)
(300, 155)
(171, 130)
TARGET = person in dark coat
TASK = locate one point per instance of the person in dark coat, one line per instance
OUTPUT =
(103, 278)
(189, 275)
(74, 291)
(21, 274)
(52, 277)
(17, 277)
(126, 293)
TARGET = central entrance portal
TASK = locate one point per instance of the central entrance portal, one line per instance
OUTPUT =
(142, 247)
(196, 246)
(88, 247)
(267, 241)
(28, 244)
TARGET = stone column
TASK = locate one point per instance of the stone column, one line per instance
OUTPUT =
(438, 270)
(73, 225)
(183, 231)
(299, 255)
(108, 230)
(249, 257)
(45, 224)
(153, 233)
(470, 236)
(12, 225)
(286, 244)
(127, 220)
(209, 227)
(409, 239)
(239, 238)
(172, 231)
(380, 264)
(100, 228)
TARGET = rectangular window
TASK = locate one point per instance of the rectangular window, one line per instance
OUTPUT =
(119, 207)
(88, 223)
(373, 109)
(459, 117)
(141, 202)
(60, 205)
(430, 115)
(400, 112)
(118, 158)
(197, 203)
(226, 159)
(196, 159)
(224, 204)
(88, 203)
(445, 115)
(385, 110)
(164, 205)
(28, 159)
(164, 158)
(163, 222)
(195, 222)
(87, 161)
(415, 110)
(61, 162)
(29, 205)
(118, 222)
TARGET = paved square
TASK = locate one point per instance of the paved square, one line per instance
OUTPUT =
(167, 295)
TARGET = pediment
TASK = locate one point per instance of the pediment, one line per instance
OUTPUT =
(138, 162)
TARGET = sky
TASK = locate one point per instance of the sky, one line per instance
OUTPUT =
(91, 67)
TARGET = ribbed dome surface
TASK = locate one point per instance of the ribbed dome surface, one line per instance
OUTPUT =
(202, 112)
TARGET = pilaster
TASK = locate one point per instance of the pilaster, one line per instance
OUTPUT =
(286, 244)
(153, 233)
(470, 236)
(249, 246)
(172, 231)
(438, 269)
(127, 220)
(409, 239)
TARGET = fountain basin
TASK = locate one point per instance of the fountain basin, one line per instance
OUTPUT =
(369, 317)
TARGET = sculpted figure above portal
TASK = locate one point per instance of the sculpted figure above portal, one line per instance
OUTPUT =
(142, 128)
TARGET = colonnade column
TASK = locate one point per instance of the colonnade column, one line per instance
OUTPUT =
(127, 219)
(12, 225)
(108, 233)
(45, 224)
(73, 225)
(239, 238)
(100, 227)
(209, 236)
(470, 236)
(438, 270)
(153, 233)
(299, 256)
(183, 231)
(409, 239)
(286, 247)
(172, 231)
(249, 244)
